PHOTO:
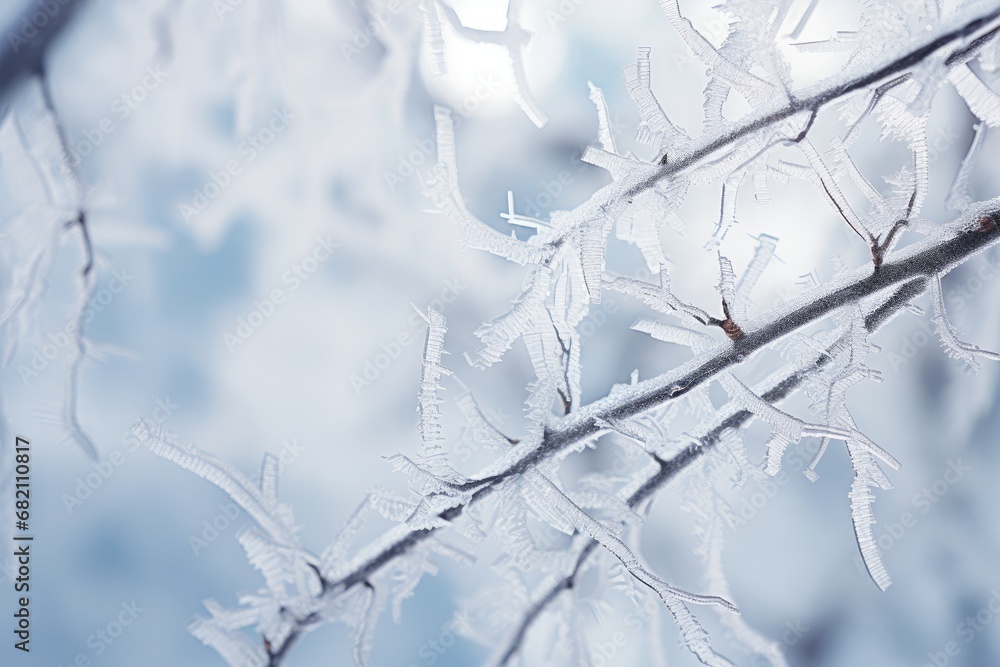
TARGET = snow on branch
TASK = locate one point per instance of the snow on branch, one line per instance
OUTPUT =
(919, 261)
(428, 401)
(705, 440)
(950, 341)
(910, 267)
(565, 261)
(442, 187)
(514, 38)
(47, 200)
(694, 635)
(256, 501)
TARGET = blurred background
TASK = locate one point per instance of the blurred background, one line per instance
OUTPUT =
(228, 150)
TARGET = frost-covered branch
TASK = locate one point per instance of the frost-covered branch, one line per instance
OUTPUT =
(956, 45)
(964, 238)
(955, 347)
(514, 38)
(49, 200)
(565, 263)
(702, 443)
(86, 281)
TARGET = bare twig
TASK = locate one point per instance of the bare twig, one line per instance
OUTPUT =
(87, 280)
(24, 47)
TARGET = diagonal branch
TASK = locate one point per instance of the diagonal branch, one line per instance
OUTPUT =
(708, 439)
(964, 39)
(958, 242)
(951, 45)
(967, 37)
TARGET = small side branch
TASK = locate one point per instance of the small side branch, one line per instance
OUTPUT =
(965, 40)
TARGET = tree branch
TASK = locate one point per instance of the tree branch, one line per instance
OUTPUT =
(816, 98)
(959, 241)
(670, 468)
(26, 42)
(911, 267)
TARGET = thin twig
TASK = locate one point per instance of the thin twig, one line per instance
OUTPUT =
(980, 28)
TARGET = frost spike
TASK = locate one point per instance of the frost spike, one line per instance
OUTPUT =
(442, 188)
(364, 637)
(727, 210)
(762, 255)
(655, 126)
(242, 491)
(618, 166)
(659, 298)
(791, 429)
(954, 346)
(861, 515)
(435, 39)
(727, 282)
(269, 481)
(696, 340)
(959, 198)
(234, 647)
(694, 635)
(428, 401)
(751, 87)
(604, 134)
(982, 101)
(499, 334)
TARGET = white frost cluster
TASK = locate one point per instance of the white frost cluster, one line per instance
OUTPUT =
(448, 513)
